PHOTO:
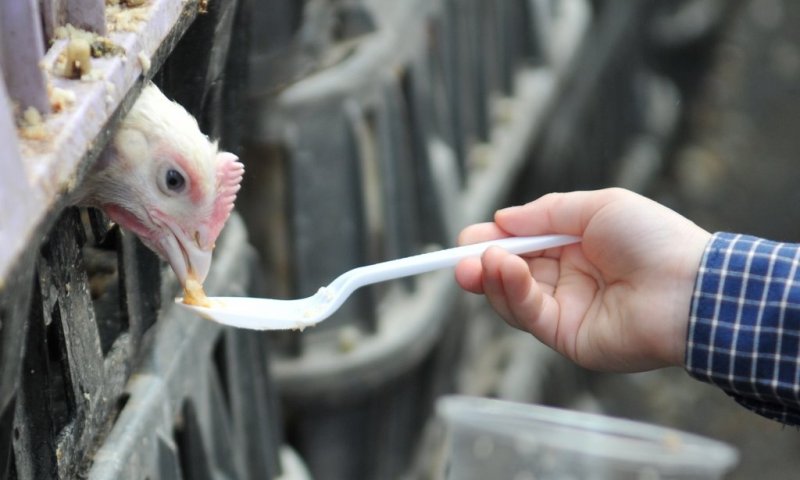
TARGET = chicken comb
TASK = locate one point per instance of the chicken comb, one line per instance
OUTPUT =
(229, 179)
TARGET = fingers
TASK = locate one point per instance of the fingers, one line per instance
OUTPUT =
(522, 289)
(561, 213)
(512, 292)
(529, 306)
(492, 282)
(564, 213)
(468, 275)
(481, 232)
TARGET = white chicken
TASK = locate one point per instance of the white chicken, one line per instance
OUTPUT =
(165, 181)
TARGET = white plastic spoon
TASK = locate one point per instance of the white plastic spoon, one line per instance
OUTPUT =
(273, 314)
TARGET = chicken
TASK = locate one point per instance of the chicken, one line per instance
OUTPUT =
(166, 182)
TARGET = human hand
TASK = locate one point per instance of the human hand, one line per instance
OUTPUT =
(618, 301)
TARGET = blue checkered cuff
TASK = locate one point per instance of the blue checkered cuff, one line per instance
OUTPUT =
(744, 324)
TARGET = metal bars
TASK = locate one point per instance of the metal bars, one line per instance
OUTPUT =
(91, 305)
(201, 400)
(413, 130)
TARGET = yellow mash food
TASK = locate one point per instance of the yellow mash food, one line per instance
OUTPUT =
(194, 294)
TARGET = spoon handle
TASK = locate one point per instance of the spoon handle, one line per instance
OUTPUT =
(427, 262)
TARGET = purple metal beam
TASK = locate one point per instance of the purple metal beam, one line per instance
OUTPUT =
(16, 196)
(22, 49)
(54, 15)
(88, 15)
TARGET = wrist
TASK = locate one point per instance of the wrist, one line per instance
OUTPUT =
(697, 241)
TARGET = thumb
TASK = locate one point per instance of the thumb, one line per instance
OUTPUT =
(562, 213)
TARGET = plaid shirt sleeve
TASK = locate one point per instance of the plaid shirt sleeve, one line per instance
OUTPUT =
(744, 324)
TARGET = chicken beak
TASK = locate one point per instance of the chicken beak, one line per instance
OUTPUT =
(187, 259)
(199, 263)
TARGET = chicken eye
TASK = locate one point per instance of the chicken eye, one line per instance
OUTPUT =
(175, 181)
(171, 179)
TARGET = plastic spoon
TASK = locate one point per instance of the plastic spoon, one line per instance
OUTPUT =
(273, 314)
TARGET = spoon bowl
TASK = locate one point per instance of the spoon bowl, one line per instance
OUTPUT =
(274, 314)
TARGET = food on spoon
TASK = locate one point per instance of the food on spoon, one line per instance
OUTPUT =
(194, 294)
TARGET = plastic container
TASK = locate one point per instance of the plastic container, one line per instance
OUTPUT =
(495, 439)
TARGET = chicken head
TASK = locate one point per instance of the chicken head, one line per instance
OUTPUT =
(165, 181)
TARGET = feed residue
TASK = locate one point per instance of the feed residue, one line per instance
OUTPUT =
(60, 98)
(74, 61)
(31, 125)
(672, 442)
(144, 62)
(194, 294)
(78, 61)
(128, 17)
